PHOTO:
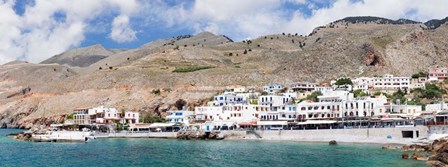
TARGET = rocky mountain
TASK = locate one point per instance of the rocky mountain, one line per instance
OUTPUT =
(197, 67)
(80, 57)
(433, 24)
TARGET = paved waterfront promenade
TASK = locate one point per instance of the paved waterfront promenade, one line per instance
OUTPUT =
(137, 135)
(362, 135)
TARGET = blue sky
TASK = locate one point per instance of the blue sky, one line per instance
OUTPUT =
(34, 30)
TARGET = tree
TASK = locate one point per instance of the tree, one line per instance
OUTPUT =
(399, 95)
(313, 96)
(156, 91)
(245, 51)
(432, 91)
(344, 81)
(180, 104)
(420, 74)
(150, 117)
(293, 100)
(70, 116)
(284, 90)
(359, 93)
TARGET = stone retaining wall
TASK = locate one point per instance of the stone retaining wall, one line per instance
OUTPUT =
(371, 135)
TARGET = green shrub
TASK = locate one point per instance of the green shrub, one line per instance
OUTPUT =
(191, 68)
(313, 96)
(420, 74)
(156, 91)
(344, 81)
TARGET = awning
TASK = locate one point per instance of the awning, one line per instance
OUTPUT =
(139, 126)
(307, 122)
(223, 123)
(391, 119)
(264, 123)
(159, 125)
(247, 124)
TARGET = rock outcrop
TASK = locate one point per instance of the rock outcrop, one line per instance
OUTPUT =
(194, 135)
(440, 149)
(333, 142)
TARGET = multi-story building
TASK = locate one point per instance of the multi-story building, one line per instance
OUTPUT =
(389, 83)
(361, 83)
(228, 98)
(103, 115)
(303, 86)
(181, 116)
(437, 73)
(273, 88)
(273, 101)
(322, 89)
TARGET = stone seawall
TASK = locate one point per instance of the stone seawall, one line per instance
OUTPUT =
(137, 135)
(371, 135)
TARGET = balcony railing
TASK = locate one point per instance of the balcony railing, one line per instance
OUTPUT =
(435, 123)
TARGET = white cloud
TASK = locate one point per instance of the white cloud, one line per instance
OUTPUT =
(253, 18)
(121, 30)
(40, 34)
(296, 1)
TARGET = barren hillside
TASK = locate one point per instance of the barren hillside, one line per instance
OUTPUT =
(196, 67)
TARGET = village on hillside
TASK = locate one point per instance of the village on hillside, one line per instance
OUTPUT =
(364, 102)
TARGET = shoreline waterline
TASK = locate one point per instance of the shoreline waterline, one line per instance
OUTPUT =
(376, 136)
(168, 152)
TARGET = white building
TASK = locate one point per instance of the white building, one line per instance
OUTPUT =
(181, 116)
(273, 88)
(303, 86)
(103, 115)
(322, 89)
(417, 83)
(437, 73)
(228, 98)
(273, 101)
(437, 107)
(390, 83)
(361, 83)
(239, 89)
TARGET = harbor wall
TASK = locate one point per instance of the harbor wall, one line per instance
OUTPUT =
(137, 135)
(370, 135)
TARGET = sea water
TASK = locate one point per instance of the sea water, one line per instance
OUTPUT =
(171, 152)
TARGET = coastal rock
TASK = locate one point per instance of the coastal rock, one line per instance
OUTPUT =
(24, 136)
(192, 135)
(390, 147)
(333, 142)
(442, 157)
(405, 156)
(435, 164)
(440, 145)
(440, 148)
(3, 126)
(419, 157)
(415, 147)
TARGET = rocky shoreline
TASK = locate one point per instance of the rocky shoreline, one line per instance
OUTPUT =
(22, 136)
(435, 154)
(202, 135)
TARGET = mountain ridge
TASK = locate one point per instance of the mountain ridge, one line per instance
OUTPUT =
(125, 79)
